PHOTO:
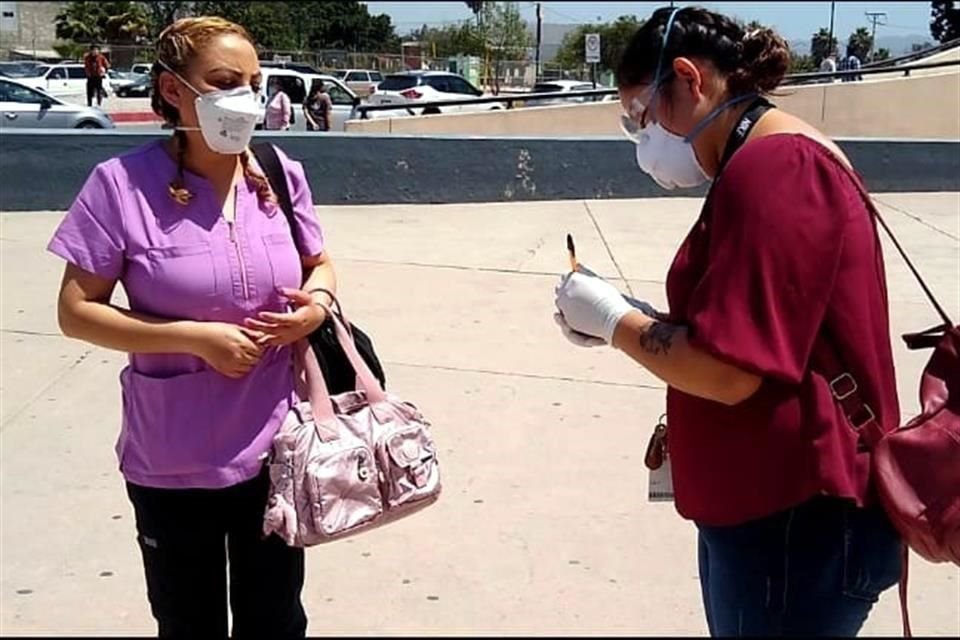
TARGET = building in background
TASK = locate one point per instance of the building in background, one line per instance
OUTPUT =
(28, 30)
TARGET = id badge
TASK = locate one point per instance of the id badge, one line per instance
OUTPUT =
(657, 460)
(661, 483)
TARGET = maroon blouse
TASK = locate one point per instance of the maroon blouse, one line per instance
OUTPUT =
(783, 245)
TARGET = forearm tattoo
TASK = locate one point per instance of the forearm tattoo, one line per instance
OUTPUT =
(658, 338)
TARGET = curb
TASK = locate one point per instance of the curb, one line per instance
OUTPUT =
(126, 117)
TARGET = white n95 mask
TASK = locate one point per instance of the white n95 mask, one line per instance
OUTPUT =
(227, 117)
(668, 158)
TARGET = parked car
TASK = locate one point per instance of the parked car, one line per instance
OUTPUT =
(120, 79)
(362, 82)
(63, 80)
(141, 68)
(560, 86)
(20, 68)
(139, 88)
(300, 67)
(412, 87)
(296, 85)
(24, 107)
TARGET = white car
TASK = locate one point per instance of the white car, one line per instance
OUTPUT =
(22, 107)
(63, 80)
(362, 82)
(141, 68)
(414, 87)
(561, 86)
(296, 85)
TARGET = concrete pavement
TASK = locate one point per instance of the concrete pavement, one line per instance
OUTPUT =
(544, 527)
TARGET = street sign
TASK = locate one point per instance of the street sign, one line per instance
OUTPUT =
(591, 48)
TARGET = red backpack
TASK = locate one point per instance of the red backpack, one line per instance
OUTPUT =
(916, 468)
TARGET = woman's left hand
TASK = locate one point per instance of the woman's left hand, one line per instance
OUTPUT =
(281, 329)
(590, 305)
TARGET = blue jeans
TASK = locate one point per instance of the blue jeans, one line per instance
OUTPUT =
(813, 570)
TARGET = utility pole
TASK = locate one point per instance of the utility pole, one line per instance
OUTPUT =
(833, 13)
(875, 18)
(539, 39)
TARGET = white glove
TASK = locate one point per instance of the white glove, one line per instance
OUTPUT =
(645, 307)
(577, 338)
(590, 305)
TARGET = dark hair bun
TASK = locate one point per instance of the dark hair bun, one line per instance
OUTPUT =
(765, 60)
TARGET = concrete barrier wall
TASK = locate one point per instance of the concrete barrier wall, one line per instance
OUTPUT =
(921, 106)
(44, 171)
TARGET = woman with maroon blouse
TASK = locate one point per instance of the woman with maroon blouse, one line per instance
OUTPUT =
(784, 255)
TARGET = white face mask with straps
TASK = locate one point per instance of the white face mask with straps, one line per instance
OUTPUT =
(668, 158)
(227, 117)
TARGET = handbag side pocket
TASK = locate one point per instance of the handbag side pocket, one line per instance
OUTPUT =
(343, 491)
(409, 467)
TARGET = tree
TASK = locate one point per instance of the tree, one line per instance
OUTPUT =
(463, 38)
(269, 23)
(802, 64)
(475, 7)
(345, 24)
(102, 22)
(821, 46)
(860, 43)
(944, 20)
(881, 54)
(614, 38)
(505, 35)
(162, 14)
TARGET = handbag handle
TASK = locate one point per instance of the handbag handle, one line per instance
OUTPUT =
(317, 393)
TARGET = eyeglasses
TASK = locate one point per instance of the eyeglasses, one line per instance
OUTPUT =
(635, 120)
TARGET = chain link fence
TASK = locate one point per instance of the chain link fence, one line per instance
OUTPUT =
(493, 75)
(505, 74)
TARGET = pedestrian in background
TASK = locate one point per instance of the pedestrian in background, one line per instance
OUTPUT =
(829, 65)
(783, 263)
(191, 228)
(318, 107)
(279, 108)
(95, 66)
(851, 63)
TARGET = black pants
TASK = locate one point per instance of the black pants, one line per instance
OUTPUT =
(186, 536)
(94, 88)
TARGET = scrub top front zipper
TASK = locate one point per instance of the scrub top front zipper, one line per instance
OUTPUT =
(232, 224)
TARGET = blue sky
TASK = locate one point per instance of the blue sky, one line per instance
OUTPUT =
(794, 20)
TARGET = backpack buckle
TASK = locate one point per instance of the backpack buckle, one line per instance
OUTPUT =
(836, 386)
(865, 412)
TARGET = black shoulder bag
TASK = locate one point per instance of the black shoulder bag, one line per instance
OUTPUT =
(337, 370)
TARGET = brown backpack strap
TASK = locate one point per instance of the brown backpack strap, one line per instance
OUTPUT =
(844, 386)
(875, 211)
(846, 391)
(904, 609)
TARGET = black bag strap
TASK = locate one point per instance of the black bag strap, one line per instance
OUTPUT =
(269, 161)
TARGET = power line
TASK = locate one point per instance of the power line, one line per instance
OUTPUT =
(875, 18)
(567, 17)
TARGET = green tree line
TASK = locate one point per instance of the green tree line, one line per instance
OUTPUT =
(343, 24)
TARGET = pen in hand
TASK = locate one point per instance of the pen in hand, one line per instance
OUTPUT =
(572, 252)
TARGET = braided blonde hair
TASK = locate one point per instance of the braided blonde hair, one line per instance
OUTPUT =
(176, 47)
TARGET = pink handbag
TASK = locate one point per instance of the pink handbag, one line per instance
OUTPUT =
(346, 464)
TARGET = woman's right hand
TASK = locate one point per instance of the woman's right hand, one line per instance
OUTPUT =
(230, 349)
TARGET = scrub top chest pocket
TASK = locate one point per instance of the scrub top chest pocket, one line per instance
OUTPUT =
(184, 271)
(286, 269)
